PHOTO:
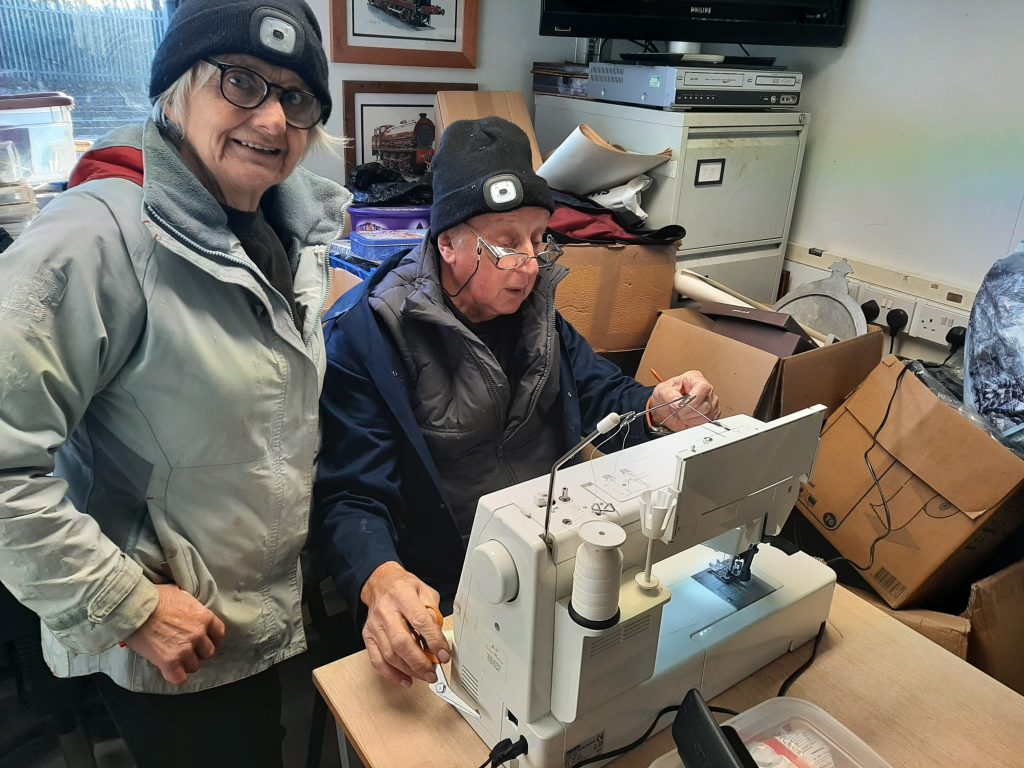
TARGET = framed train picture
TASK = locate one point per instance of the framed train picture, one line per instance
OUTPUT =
(417, 33)
(392, 124)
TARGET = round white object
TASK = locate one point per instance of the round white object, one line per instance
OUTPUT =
(598, 572)
(602, 534)
(495, 576)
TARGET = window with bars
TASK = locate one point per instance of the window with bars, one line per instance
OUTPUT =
(97, 51)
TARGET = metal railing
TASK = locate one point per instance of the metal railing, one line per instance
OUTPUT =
(99, 51)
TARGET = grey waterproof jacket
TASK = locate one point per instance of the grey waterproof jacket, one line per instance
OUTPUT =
(150, 366)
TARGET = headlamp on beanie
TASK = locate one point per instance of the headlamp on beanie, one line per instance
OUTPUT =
(483, 166)
(503, 192)
(277, 32)
(281, 32)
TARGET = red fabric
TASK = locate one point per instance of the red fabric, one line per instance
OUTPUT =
(109, 163)
(582, 225)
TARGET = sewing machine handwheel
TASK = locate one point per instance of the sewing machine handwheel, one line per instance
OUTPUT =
(495, 576)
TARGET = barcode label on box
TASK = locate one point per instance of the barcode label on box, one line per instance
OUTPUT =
(889, 583)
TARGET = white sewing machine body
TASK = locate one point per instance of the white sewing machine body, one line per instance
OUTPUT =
(521, 655)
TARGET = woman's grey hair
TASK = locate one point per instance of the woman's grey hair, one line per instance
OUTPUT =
(170, 106)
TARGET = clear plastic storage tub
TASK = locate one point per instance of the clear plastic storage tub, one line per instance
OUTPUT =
(36, 128)
(793, 733)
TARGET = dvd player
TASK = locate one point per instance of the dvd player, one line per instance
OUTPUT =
(704, 87)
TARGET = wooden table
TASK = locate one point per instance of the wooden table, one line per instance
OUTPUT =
(915, 703)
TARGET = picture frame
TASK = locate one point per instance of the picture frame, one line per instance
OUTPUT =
(410, 33)
(371, 106)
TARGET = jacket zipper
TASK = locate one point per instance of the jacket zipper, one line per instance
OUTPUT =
(183, 240)
(549, 330)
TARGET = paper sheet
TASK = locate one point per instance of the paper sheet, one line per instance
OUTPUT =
(696, 287)
(586, 163)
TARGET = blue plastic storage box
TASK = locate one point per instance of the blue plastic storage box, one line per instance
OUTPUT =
(377, 245)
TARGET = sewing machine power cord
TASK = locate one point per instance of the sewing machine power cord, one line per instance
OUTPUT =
(719, 710)
(505, 750)
(647, 734)
(803, 667)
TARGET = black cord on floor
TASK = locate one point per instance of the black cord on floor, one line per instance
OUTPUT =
(803, 667)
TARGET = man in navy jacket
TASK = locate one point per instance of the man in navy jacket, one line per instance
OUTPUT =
(450, 375)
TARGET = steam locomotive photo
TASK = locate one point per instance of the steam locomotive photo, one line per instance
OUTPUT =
(415, 13)
(407, 147)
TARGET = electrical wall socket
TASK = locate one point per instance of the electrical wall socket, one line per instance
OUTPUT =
(932, 322)
(888, 300)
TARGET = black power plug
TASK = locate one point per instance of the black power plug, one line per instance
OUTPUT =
(870, 310)
(897, 320)
(956, 338)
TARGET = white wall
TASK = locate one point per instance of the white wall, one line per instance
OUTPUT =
(507, 45)
(915, 157)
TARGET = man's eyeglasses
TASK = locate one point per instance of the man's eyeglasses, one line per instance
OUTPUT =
(248, 89)
(509, 258)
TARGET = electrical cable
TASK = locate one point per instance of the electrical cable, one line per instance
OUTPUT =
(633, 744)
(647, 734)
(504, 751)
(877, 485)
(803, 667)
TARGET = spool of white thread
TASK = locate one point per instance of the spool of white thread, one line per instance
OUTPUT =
(598, 572)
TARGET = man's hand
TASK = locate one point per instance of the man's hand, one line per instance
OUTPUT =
(680, 417)
(178, 636)
(397, 601)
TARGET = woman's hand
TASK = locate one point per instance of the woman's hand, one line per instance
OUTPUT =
(178, 636)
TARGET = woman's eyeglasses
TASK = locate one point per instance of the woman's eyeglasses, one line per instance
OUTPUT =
(248, 89)
(509, 258)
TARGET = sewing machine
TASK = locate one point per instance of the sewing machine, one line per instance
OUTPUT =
(643, 583)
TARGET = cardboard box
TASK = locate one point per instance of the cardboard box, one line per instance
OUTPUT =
(752, 381)
(946, 493)
(775, 332)
(614, 292)
(997, 626)
(341, 281)
(450, 106)
(990, 631)
(951, 632)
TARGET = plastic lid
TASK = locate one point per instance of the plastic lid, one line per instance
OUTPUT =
(793, 733)
(36, 100)
(389, 236)
(804, 730)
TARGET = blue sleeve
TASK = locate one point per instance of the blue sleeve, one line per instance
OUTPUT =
(357, 485)
(603, 388)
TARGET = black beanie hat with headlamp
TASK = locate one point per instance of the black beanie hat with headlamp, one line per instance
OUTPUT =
(483, 166)
(281, 32)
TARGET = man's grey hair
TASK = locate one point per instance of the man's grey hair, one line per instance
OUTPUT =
(170, 107)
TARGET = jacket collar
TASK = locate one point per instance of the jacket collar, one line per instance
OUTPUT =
(305, 208)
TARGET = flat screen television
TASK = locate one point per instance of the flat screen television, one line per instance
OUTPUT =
(758, 22)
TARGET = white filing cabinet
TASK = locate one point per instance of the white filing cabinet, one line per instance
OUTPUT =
(731, 181)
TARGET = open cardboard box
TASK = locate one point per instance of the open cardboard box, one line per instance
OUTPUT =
(990, 631)
(750, 380)
(947, 493)
(614, 292)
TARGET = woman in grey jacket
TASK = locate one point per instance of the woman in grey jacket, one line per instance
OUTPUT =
(161, 354)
